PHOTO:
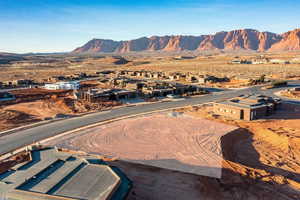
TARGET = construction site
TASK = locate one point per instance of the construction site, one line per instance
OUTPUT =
(169, 140)
(149, 100)
(211, 156)
(53, 100)
(36, 105)
(171, 134)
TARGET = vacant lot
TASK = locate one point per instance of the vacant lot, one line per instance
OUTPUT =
(178, 142)
(260, 158)
(34, 105)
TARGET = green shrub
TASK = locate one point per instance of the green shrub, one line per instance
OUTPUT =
(279, 83)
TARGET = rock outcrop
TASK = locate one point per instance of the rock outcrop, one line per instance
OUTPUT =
(244, 39)
(290, 42)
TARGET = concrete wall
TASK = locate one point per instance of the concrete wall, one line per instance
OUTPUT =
(235, 112)
(260, 112)
(227, 110)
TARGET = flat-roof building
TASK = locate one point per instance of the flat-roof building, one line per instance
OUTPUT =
(248, 107)
(56, 175)
(94, 95)
(71, 85)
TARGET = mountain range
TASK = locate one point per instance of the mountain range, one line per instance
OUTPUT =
(244, 39)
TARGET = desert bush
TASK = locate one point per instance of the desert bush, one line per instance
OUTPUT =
(279, 83)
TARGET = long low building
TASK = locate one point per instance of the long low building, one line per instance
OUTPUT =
(72, 85)
(249, 107)
(94, 95)
(54, 175)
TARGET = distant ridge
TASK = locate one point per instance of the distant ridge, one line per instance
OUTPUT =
(290, 41)
(244, 39)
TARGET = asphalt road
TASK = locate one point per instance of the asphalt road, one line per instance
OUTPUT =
(22, 138)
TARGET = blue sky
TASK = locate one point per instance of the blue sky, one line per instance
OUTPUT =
(62, 25)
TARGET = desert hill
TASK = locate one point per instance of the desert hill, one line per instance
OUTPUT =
(290, 41)
(244, 39)
(6, 58)
(117, 60)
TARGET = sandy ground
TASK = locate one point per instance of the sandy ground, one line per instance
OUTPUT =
(273, 142)
(211, 64)
(151, 183)
(291, 94)
(261, 160)
(41, 109)
(230, 84)
(272, 146)
(20, 114)
(15, 115)
(157, 183)
(167, 140)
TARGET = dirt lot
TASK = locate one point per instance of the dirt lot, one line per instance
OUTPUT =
(272, 145)
(152, 183)
(38, 104)
(261, 160)
(231, 84)
(166, 140)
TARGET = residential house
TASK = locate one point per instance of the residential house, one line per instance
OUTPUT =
(248, 107)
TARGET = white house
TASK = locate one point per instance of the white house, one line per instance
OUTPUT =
(279, 61)
(72, 85)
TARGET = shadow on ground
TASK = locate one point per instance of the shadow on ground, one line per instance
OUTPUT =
(237, 181)
(287, 111)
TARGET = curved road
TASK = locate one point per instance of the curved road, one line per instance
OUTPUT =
(25, 137)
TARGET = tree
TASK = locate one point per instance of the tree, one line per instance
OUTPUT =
(262, 78)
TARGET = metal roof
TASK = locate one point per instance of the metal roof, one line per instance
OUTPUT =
(53, 174)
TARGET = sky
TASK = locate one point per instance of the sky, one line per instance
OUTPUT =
(63, 25)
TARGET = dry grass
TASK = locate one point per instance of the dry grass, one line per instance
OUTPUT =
(215, 65)
(219, 65)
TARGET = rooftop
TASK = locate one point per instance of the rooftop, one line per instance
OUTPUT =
(249, 101)
(52, 174)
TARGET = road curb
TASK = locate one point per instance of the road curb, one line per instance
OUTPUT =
(43, 122)
(113, 120)
(24, 148)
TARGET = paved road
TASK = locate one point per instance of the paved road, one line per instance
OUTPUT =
(12, 89)
(22, 138)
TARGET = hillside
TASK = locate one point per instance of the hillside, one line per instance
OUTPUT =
(6, 58)
(290, 42)
(244, 39)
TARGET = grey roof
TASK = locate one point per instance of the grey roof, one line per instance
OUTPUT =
(242, 104)
(92, 182)
(55, 173)
(248, 101)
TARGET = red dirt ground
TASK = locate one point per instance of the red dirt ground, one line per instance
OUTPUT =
(180, 142)
(261, 161)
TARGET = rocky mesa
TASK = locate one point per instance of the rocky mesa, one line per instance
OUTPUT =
(290, 42)
(244, 39)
